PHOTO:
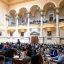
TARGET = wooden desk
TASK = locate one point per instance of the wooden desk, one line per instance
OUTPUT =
(24, 60)
(1, 59)
(17, 61)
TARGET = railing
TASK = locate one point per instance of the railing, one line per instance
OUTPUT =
(51, 40)
(35, 22)
(47, 21)
(14, 39)
(11, 21)
(12, 24)
(25, 22)
(22, 22)
(42, 40)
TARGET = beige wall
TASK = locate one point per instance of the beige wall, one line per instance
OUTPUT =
(3, 12)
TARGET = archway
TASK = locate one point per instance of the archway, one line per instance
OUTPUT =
(49, 9)
(22, 16)
(35, 14)
(12, 18)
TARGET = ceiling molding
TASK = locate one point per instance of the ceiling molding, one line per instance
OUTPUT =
(13, 2)
(5, 2)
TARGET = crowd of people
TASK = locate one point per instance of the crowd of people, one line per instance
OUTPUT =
(33, 53)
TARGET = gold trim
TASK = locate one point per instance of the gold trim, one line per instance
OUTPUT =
(48, 25)
(22, 30)
(11, 30)
(9, 3)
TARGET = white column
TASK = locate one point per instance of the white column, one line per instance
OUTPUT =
(41, 25)
(44, 32)
(28, 29)
(57, 26)
(5, 34)
(57, 22)
(16, 32)
(28, 14)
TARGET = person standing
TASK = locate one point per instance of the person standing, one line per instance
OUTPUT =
(18, 47)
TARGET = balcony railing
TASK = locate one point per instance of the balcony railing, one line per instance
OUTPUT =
(43, 40)
(48, 21)
(22, 22)
(25, 22)
(12, 24)
(35, 22)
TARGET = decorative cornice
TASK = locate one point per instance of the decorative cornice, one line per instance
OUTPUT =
(5, 2)
(16, 2)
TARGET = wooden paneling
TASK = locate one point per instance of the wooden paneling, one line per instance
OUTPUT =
(34, 39)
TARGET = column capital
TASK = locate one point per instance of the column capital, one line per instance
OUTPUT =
(42, 12)
(57, 10)
(28, 14)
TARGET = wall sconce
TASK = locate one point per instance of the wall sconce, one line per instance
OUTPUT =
(49, 29)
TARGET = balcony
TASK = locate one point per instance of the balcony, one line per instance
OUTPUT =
(49, 26)
(22, 27)
(61, 25)
(10, 30)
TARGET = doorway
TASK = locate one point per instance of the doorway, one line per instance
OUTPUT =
(34, 39)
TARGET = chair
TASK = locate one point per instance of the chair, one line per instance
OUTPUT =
(1, 59)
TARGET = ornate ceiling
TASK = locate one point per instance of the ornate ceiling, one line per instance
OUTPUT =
(10, 2)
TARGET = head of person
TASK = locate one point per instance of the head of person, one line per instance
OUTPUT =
(59, 51)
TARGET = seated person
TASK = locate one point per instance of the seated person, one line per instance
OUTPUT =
(6, 47)
(1, 45)
(53, 52)
(60, 58)
(47, 51)
(34, 57)
(8, 52)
